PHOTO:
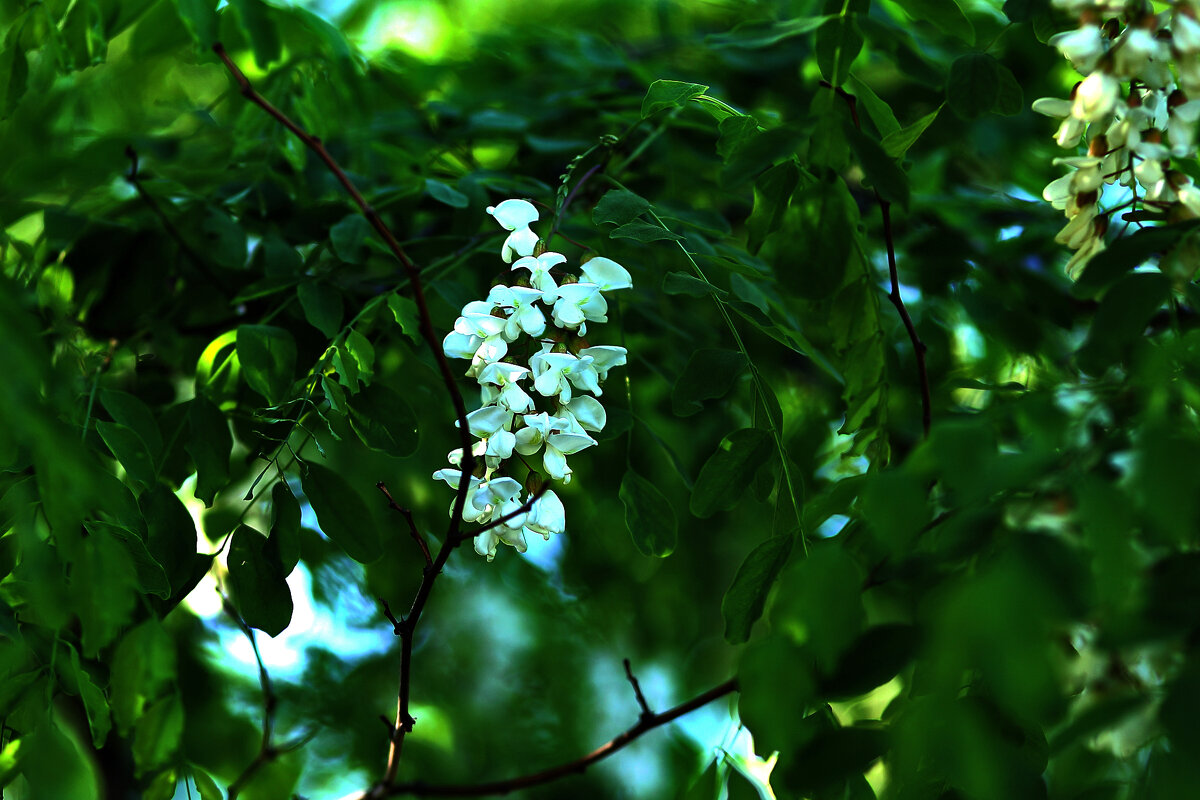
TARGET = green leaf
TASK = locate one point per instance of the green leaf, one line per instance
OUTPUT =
(1127, 253)
(268, 358)
(349, 237)
(133, 413)
(162, 787)
(10, 758)
(1122, 317)
(774, 684)
(743, 602)
(151, 578)
(648, 516)
(839, 42)
(682, 283)
(772, 193)
(384, 420)
(735, 132)
(619, 206)
(407, 315)
(979, 84)
(759, 34)
(669, 94)
(709, 374)
(285, 526)
(945, 14)
(896, 144)
(129, 448)
(446, 194)
(644, 232)
(103, 590)
(358, 355)
(209, 444)
(157, 735)
(873, 659)
(206, 785)
(729, 470)
(264, 33)
(341, 513)
(879, 112)
(322, 304)
(257, 579)
(170, 534)
(143, 669)
(881, 170)
(95, 706)
(1024, 10)
(201, 20)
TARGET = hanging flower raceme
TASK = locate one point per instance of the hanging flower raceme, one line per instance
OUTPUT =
(538, 381)
(1131, 108)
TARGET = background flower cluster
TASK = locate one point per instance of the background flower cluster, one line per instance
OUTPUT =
(1133, 110)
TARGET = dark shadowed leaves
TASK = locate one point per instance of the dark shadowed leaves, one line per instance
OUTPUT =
(341, 512)
(729, 470)
(710, 373)
(256, 576)
(648, 516)
(744, 599)
(268, 357)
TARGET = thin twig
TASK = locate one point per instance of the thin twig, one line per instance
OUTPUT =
(647, 723)
(885, 209)
(412, 523)
(637, 691)
(134, 180)
(266, 752)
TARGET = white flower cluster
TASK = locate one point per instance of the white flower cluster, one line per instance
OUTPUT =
(556, 419)
(1132, 105)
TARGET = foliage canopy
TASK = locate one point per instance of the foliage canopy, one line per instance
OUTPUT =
(873, 454)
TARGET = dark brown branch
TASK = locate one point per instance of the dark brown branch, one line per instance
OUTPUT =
(404, 720)
(649, 721)
(885, 209)
(637, 691)
(412, 523)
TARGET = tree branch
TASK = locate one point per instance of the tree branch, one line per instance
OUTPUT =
(885, 209)
(266, 751)
(637, 691)
(648, 722)
(412, 523)
(404, 720)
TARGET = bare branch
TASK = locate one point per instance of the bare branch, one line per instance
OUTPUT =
(648, 722)
(412, 523)
(637, 690)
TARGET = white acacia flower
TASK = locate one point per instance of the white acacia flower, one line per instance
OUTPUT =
(491, 424)
(605, 357)
(577, 303)
(547, 516)
(499, 386)
(1136, 52)
(1095, 97)
(550, 374)
(1185, 34)
(558, 447)
(1082, 47)
(1181, 129)
(510, 532)
(583, 414)
(489, 495)
(606, 273)
(1071, 128)
(1087, 176)
(524, 316)
(538, 428)
(516, 216)
(539, 273)
(1076, 232)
